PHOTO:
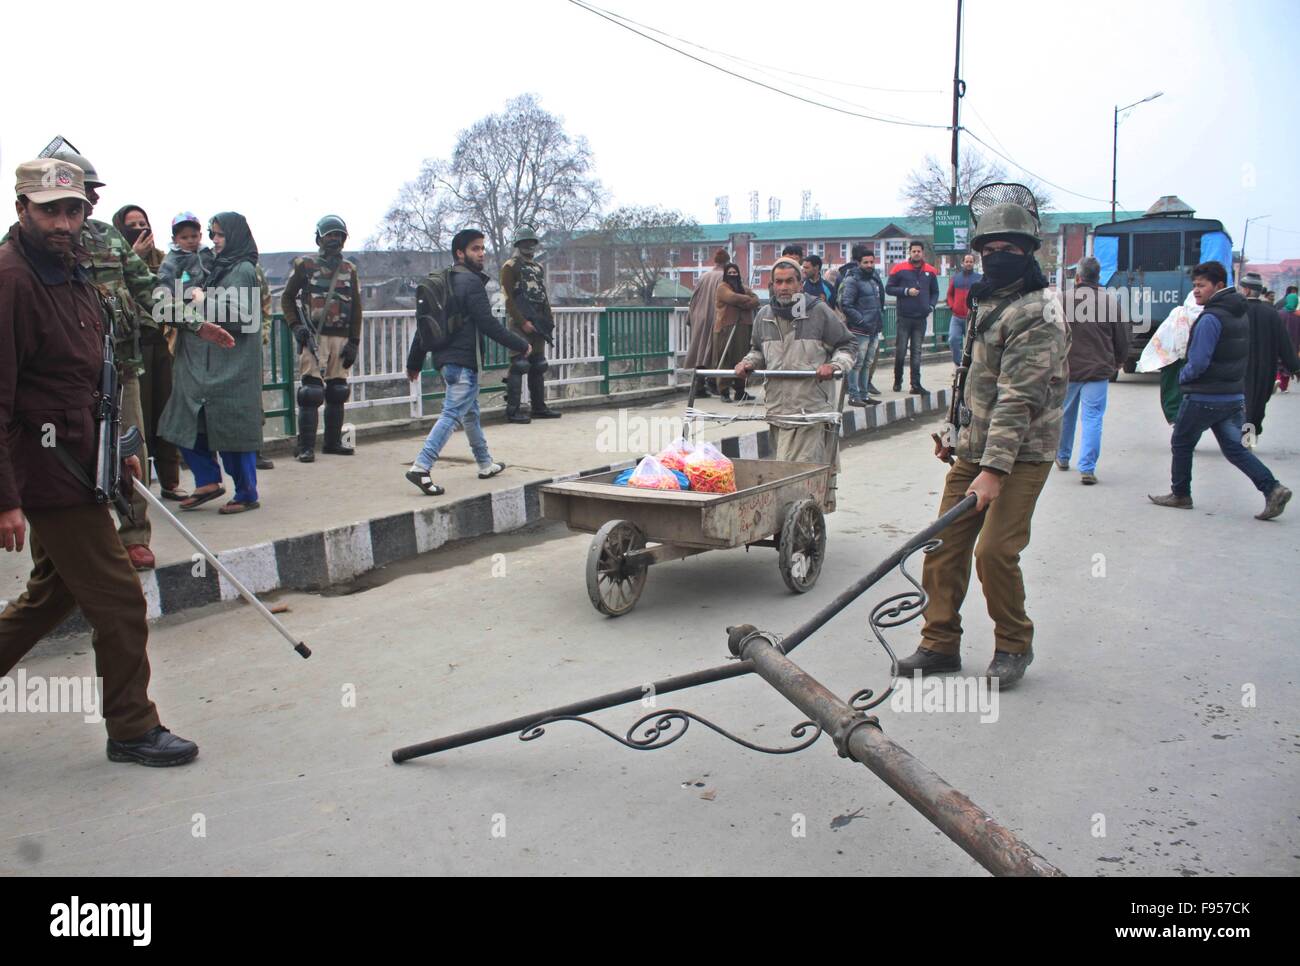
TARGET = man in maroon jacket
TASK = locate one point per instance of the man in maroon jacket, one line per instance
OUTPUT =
(51, 354)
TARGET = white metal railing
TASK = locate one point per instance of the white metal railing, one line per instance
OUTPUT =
(386, 338)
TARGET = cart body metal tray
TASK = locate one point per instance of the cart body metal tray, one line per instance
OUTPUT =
(765, 489)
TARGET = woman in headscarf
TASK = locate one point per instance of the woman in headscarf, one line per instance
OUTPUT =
(155, 356)
(133, 223)
(216, 403)
(733, 324)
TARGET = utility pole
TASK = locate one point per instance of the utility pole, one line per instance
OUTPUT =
(958, 91)
(1114, 149)
(1244, 232)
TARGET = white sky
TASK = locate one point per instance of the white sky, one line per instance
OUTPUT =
(288, 111)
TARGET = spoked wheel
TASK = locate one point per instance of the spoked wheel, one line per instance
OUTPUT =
(613, 584)
(802, 546)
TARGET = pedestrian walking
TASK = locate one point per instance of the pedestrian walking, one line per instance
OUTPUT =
(733, 328)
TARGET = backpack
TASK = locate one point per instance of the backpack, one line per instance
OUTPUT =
(435, 324)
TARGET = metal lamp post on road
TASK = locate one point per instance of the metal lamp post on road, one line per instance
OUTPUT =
(1114, 149)
(1244, 232)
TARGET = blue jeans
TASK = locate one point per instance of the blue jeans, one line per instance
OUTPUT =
(956, 334)
(459, 408)
(242, 468)
(1092, 395)
(860, 374)
(1224, 420)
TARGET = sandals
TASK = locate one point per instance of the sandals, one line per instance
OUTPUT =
(196, 500)
(422, 479)
(236, 507)
(493, 469)
(176, 495)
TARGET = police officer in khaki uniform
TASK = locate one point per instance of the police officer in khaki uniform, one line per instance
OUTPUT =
(1010, 424)
(528, 310)
(327, 282)
(52, 331)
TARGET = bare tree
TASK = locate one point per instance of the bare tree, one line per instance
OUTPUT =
(643, 239)
(519, 167)
(928, 186)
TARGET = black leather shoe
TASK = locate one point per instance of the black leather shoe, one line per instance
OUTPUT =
(898, 387)
(918, 391)
(1009, 668)
(157, 748)
(545, 414)
(928, 662)
(263, 463)
(518, 416)
(337, 449)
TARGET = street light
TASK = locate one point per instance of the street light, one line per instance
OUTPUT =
(1244, 232)
(1114, 150)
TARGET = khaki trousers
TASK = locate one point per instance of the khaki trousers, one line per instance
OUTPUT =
(140, 531)
(1003, 532)
(77, 559)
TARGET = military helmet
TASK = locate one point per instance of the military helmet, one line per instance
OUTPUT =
(65, 153)
(1007, 219)
(525, 233)
(330, 223)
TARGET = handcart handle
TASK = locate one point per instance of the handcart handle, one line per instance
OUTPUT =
(768, 373)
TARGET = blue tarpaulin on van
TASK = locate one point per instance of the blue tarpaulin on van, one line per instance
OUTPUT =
(1105, 248)
(1216, 246)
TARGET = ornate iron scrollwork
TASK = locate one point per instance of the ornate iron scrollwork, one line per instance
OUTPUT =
(662, 731)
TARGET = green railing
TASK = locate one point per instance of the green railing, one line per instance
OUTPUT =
(938, 341)
(282, 365)
(634, 335)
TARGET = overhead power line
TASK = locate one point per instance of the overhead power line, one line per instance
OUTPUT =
(615, 19)
(1032, 174)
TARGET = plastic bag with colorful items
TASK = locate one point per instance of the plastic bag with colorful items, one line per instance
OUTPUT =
(709, 471)
(675, 453)
(1169, 343)
(650, 474)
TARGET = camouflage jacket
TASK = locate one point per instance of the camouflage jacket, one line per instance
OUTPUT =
(529, 274)
(123, 275)
(1016, 385)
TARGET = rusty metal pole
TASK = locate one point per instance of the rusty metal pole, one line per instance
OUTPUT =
(859, 737)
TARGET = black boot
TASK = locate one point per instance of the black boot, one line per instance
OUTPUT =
(514, 391)
(928, 662)
(537, 396)
(157, 747)
(334, 431)
(308, 420)
(701, 390)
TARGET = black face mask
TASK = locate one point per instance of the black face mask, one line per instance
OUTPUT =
(1003, 268)
(131, 234)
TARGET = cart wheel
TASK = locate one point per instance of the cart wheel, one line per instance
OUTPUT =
(802, 545)
(613, 586)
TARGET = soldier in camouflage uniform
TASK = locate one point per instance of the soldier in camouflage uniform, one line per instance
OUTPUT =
(523, 283)
(327, 282)
(113, 266)
(1010, 427)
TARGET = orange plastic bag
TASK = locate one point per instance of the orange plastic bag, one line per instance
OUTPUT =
(709, 471)
(675, 453)
(650, 474)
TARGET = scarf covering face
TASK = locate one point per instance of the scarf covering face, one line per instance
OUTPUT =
(1004, 269)
(119, 221)
(734, 283)
(239, 247)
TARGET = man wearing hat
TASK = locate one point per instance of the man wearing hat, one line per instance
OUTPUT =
(326, 283)
(111, 263)
(1011, 425)
(52, 331)
(523, 283)
(1270, 351)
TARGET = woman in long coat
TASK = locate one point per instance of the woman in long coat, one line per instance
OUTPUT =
(733, 326)
(216, 402)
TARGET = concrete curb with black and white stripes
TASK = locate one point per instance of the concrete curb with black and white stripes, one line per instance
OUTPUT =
(314, 561)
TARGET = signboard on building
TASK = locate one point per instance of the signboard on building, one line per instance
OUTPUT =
(951, 229)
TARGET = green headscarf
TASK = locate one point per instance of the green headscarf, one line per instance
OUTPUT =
(239, 246)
